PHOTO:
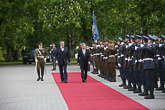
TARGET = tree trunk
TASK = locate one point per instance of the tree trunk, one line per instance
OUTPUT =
(15, 55)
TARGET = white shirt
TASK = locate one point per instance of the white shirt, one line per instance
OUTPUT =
(84, 51)
(62, 48)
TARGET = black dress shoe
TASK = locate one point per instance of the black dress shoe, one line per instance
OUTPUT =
(122, 85)
(119, 75)
(85, 81)
(149, 96)
(53, 69)
(160, 88)
(62, 81)
(143, 94)
(66, 81)
(38, 79)
(131, 89)
(42, 79)
(127, 87)
(137, 91)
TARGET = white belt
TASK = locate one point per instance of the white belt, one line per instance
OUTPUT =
(97, 54)
(157, 55)
(40, 56)
(105, 58)
(121, 55)
(102, 55)
(148, 59)
(115, 54)
(112, 56)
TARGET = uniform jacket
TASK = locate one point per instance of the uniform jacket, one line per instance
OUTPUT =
(43, 52)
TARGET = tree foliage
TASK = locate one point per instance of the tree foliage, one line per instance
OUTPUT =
(27, 22)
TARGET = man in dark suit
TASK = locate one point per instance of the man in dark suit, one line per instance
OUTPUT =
(62, 54)
(53, 52)
(83, 60)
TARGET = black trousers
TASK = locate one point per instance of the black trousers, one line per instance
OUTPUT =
(84, 69)
(54, 63)
(63, 76)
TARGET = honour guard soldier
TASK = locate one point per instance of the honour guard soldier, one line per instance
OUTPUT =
(148, 53)
(121, 61)
(159, 66)
(40, 55)
(138, 73)
(93, 58)
(53, 51)
(163, 57)
(112, 62)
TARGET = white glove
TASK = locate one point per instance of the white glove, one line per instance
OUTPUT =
(159, 58)
(126, 46)
(119, 65)
(135, 61)
(140, 60)
(141, 45)
(36, 60)
(116, 46)
(126, 58)
(122, 55)
(160, 45)
(122, 43)
(91, 47)
(45, 60)
(129, 44)
(136, 47)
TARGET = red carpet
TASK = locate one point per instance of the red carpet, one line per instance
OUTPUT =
(93, 95)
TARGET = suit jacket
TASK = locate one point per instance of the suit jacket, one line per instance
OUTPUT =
(83, 60)
(62, 56)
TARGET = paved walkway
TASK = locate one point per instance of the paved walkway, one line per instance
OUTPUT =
(19, 90)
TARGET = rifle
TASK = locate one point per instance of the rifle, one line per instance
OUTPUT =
(142, 54)
(130, 54)
(136, 64)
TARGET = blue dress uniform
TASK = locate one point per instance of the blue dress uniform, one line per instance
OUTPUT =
(148, 69)
(131, 65)
(138, 73)
(159, 66)
(121, 63)
(163, 58)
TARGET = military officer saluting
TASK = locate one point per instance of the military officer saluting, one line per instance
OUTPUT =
(40, 55)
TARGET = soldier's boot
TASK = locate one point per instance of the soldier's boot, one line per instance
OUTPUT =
(156, 85)
(163, 91)
(138, 90)
(161, 87)
(133, 88)
(150, 96)
(105, 76)
(128, 86)
(42, 78)
(113, 80)
(109, 78)
(38, 75)
(101, 74)
(123, 84)
(95, 71)
(145, 93)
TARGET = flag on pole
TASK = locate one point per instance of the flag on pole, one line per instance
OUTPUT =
(95, 31)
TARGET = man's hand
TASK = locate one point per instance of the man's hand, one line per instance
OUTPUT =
(78, 64)
(36, 60)
(69, 63)
(89, 62)
(56, 62)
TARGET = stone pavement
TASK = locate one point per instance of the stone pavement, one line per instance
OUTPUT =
(19, 90)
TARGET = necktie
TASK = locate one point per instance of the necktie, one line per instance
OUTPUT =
(84, 52)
